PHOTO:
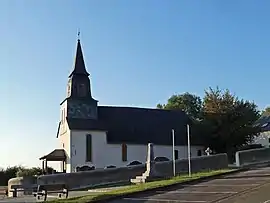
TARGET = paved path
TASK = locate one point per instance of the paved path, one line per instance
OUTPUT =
(245, 187)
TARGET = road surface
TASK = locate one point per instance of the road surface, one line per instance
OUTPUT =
(245, 187)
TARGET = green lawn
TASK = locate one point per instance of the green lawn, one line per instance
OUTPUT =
(141, 187)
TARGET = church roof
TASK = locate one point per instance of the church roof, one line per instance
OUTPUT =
(55, 155)
(264, 123)
(133, 125)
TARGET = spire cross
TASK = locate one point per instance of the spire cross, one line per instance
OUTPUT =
(79, 34)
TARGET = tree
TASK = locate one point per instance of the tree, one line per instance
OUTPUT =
(187, 102)
(29, 172)
(160, 106)
(222, 121)
(35, 171)
(227, 120)
(266, 111)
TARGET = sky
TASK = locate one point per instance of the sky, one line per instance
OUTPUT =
(138, 53)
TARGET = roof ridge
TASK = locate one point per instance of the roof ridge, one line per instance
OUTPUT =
(145, 108)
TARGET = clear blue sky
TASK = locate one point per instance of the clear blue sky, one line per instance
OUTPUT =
(138, 52)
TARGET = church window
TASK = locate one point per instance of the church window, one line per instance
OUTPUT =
(88, 148)
(176, 154)
(124, 152)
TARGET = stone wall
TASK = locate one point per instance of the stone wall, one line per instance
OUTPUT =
(251, 156)
(103, 176)
(198, 164)
(26, 183)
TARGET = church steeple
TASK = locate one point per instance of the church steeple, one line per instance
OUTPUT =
(79, 82)
(79, 102)
(79, 66)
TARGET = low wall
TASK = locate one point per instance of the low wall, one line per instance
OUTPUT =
(25, 182)
(251, 156)
(103, 176)
(198, 164)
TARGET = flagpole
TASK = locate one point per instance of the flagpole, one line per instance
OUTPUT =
(189, 161)
(173, 155)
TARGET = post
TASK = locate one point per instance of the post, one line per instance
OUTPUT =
(189, 161)
(14, 192)
(173, 155)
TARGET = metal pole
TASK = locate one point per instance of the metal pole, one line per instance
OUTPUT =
(173, 155)
(189, 162)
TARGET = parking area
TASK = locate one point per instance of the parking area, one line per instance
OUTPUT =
(228, 189)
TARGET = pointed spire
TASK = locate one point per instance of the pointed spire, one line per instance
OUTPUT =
(79, 66)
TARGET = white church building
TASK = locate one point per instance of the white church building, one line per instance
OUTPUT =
(93, 136)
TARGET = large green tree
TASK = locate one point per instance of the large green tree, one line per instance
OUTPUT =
(190, 103)
(227, 120)
(223, 121)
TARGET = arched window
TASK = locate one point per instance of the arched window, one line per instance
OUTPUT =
(124, 152)
(88, 148)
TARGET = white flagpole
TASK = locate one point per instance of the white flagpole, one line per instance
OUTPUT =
(173, 155)
(189, 161)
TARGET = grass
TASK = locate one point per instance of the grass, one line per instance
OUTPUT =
(137, 188)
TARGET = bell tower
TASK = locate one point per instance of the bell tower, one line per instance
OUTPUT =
(79, 101)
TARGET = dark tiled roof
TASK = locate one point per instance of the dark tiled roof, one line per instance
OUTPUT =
(55, 155)
(137, 125)
(264, 123)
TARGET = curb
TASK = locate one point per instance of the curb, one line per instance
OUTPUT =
(168, 187)
(256, 165)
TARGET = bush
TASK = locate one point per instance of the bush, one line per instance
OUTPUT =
(23, 172)
(19, 171)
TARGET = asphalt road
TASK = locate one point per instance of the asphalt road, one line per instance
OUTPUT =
(245, 187)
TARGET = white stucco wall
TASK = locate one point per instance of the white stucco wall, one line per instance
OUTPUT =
(64, 136)
(262, 139)
(104, 154)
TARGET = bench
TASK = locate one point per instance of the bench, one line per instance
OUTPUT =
(43, 190)
(15, 188)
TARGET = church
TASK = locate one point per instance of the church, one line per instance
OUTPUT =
(93, 136)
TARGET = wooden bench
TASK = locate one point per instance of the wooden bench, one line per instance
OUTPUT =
(43, 190)
(15, 188)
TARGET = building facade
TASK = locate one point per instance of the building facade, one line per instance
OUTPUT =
(264, 136)
(96, 136)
